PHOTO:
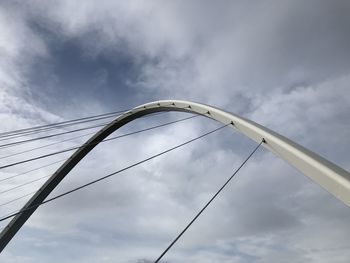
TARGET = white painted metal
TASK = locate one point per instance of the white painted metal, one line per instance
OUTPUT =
(325, 173)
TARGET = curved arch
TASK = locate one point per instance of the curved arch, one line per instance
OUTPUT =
(328, 175)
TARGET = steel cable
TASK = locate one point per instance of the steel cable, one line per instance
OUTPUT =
(208, 203)
(24, 209)
(57, 124)
(37, 179)
(105, 140)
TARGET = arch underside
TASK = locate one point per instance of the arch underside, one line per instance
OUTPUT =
(328, 175)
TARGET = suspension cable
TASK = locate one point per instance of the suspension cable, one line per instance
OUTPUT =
(24, 209)
(31, 132)
(62, 160)
(24, 184)
(7, 145)
(208, 203)
(105, 140)
(58, 123)
(113, 138)
(18, 198)
(47, 145)
(32, 170)
(65, 140)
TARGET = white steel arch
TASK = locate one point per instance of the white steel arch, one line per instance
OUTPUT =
(323, 172)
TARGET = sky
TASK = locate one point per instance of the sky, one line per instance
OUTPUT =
(283, 64)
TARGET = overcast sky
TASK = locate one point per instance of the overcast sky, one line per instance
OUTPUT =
(283, 64)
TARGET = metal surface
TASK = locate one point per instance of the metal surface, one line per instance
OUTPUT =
(328, 175)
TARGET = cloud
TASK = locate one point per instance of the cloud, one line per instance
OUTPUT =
(283, 64)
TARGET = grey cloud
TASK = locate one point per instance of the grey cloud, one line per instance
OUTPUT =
(283, 64)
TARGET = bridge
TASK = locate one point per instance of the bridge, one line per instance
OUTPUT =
(328, 175)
